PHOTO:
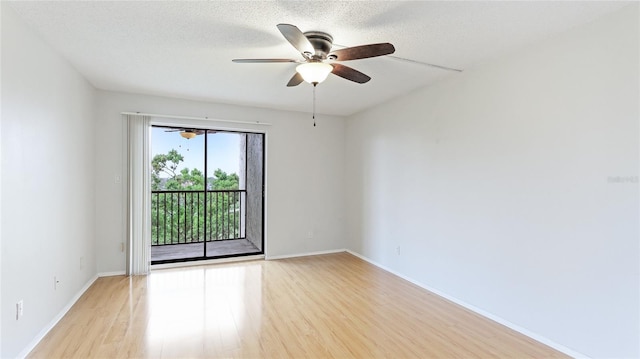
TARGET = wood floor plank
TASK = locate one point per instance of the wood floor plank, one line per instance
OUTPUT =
(329, 306)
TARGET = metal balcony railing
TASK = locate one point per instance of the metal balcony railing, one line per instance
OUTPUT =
(179, 217)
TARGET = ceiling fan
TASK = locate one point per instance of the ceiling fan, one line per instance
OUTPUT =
(316, 48)
(187, 133)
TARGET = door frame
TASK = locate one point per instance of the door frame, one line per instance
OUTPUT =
(248, 128)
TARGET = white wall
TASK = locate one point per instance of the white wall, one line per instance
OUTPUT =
(499, 186)
(305, 173)
(62, 147)
(47, 183)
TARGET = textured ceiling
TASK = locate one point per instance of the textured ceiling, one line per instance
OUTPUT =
(184, 49)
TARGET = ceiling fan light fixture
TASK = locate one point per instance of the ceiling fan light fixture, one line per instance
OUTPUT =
(314, 72)
(188, 134)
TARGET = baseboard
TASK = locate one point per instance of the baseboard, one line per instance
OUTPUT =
(307, 254)
(111, 274)
(56, 319)
(493, 317)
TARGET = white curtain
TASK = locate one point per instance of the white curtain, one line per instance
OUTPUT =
(138, 195)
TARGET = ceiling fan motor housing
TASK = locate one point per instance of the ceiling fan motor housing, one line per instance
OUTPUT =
(321, 42)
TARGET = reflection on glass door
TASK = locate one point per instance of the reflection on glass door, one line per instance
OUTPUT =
(207, 197)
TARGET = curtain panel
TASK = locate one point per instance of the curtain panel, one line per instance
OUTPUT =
(138, 194)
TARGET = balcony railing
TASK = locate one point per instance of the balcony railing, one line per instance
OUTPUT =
(179, 217)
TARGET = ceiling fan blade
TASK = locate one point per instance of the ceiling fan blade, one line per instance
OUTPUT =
(182, 129)
(254, 61)
(295, 80)
(350, 74)
(297, 39)
(363, 52)
(426, 64)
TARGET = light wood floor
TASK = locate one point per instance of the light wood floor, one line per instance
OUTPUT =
(312, 307)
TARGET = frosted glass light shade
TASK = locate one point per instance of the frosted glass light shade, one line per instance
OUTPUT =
(188, 134)
(314, 72)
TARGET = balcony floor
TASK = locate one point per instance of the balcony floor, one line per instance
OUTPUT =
(224, 248)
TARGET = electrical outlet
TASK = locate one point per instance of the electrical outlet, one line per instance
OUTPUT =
(398, 250)
(117, 179)
(19, 309)
(55, 282)
(81, 262)
(121, 246)
(310, 234)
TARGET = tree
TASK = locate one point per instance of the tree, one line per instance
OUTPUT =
(178, 203)
(222, 180)
(167, 164)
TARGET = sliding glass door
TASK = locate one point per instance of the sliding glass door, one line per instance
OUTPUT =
(207, 197)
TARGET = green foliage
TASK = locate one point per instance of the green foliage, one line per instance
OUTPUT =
(223, 180)
(167, 164)
(179, 217)
(185, 179)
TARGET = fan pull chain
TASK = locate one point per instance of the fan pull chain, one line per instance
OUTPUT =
(314, 103)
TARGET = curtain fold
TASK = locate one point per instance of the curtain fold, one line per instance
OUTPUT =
(138, 194)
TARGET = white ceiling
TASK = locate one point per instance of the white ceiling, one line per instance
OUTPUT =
(184, 49)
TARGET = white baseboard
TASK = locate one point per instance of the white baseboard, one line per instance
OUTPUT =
(111, 274)
(306, 254)
(495, 318)
(56, 319)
